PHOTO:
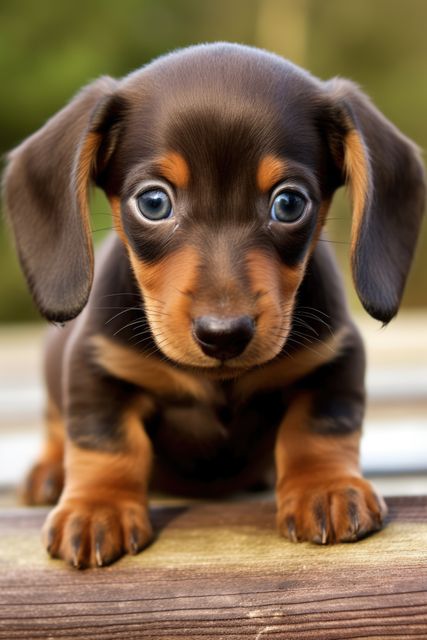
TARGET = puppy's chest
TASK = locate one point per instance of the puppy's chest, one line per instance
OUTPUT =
(216, 438)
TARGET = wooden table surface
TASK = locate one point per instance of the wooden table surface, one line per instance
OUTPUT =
(219, 571)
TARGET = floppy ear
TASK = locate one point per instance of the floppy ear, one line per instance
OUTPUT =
(45, 188)
(387, 182)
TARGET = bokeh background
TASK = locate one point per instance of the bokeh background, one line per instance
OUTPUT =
(50, 48)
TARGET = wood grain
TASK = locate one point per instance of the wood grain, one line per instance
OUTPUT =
(219, 571)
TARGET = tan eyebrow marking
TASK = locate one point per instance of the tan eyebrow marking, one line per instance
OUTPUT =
(174, 168)
(270, 170)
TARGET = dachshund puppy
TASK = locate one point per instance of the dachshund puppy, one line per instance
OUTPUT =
(214, 343)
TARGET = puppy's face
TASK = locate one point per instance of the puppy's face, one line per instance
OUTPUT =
(225, 186)
(220, 162)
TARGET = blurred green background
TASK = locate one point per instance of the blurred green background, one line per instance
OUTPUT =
(49, 49)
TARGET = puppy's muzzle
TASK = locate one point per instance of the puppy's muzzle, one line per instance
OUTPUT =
(223, 338)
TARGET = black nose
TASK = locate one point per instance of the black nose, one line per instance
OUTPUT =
(223, 338)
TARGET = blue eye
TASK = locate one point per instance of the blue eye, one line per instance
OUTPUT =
(288, 206)
(154, 204)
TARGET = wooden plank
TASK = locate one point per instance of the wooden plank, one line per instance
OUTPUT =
(219, 571)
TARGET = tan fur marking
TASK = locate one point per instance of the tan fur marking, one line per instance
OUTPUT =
(167, 287)
(321, 495)
(289, 369)
(174, 168)
(96, 474)
(151, 374)
(85, 166)
(265, 280)
(291, 279)
(154, 278)
(55, 425)
(356, 167)
(44, 482)
(82, 175)
(117, 220)
(273, 300)
(270, 170)
(299, 450)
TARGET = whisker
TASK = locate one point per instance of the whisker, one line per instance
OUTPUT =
(302, 344)
(127, 309)
(316, 310)
(136, 295)
(139, 321)
(309, 339)
(157, 346)
(303, 336)
(143, 333)
(334, 241)
(314, 317)
(301, 322)
(122, 293)
(107, 308)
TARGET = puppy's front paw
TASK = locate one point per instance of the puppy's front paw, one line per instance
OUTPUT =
(321, 510)
(94, 533)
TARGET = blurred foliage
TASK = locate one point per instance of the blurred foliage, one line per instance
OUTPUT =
(49, 49)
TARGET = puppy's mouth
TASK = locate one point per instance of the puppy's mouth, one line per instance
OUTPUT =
(221, 345)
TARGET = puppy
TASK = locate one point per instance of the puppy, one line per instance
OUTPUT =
(214, 343)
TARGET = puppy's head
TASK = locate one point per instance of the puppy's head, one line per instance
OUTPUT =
(220, 162)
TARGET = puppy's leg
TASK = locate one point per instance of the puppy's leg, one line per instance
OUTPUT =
(44, 482)
(321, 494)
(103, 512)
